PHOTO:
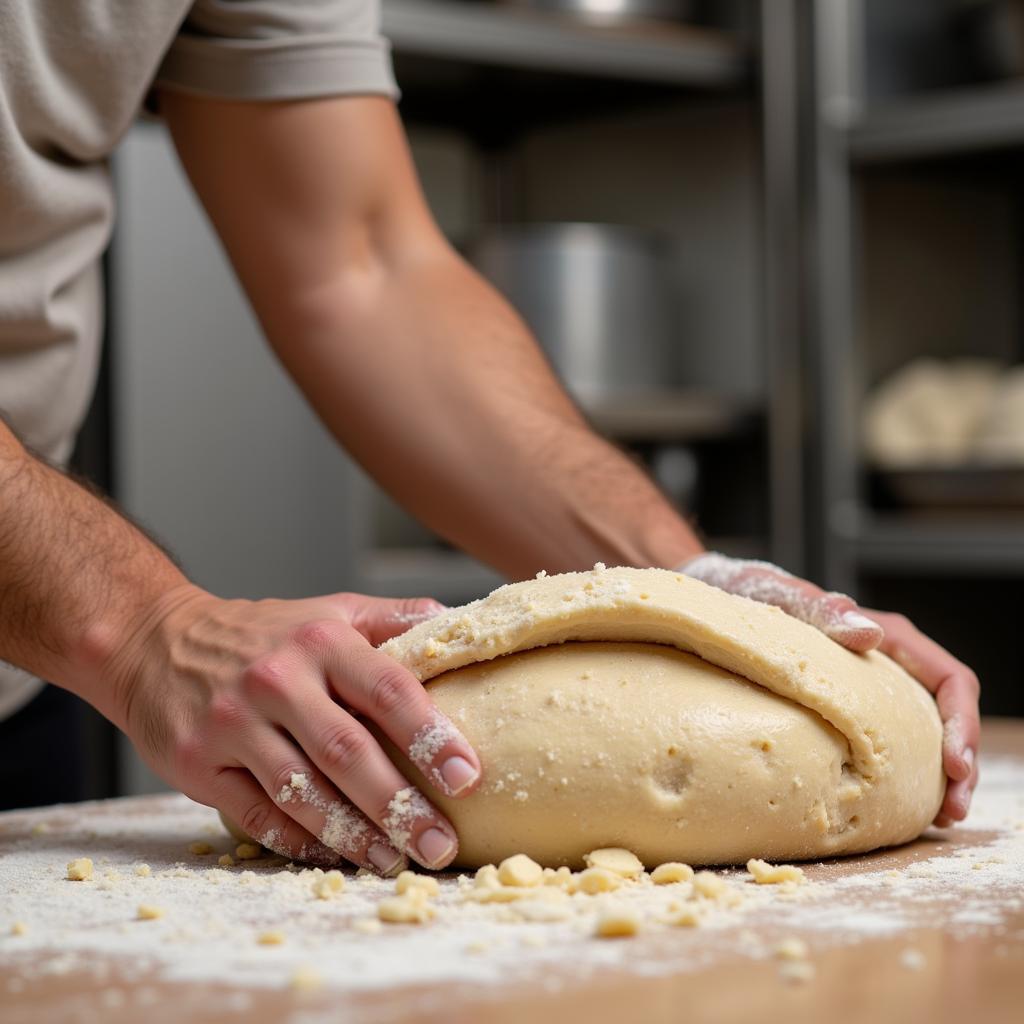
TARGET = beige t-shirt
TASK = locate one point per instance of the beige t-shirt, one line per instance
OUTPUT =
(73, 76)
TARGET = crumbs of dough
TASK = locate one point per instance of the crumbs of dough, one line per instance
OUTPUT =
(297, 784)
(774, 874)
(80, 870)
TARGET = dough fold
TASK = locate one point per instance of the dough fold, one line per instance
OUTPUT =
(661, 714)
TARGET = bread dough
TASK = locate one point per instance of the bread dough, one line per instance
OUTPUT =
(642, 709)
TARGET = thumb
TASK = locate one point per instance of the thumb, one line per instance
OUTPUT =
(381, 618)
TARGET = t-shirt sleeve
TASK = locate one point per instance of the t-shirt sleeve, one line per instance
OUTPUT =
(279, 49)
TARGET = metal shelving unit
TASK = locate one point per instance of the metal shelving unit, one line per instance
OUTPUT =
(952, 571)
(495, 73)
(485, 34)
(902, 544)
(948, 123)
(848, 135)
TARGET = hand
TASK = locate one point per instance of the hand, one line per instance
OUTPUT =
(255, 708)
(953, 684)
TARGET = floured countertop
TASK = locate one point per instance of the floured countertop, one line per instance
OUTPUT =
(934, 927)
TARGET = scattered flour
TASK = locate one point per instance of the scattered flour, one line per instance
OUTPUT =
(967, 881)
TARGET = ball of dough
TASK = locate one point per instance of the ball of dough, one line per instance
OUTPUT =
(588, 745)
(642, 709)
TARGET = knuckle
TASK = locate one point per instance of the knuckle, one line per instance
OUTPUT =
(281, 778)
(254, 821)
(266, 677)
(316, 635)
(345, 748)
(390, 691)
(225, 712)
(419, 607)
(187, 755)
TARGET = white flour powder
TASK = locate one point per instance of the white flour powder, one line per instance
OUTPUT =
(967, 880)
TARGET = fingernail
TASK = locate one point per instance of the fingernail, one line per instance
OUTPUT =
(385, 859)
(968, 759)
(458, 775)
(854, 620)
(435, 847)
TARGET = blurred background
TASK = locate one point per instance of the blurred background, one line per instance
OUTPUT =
(774, 249)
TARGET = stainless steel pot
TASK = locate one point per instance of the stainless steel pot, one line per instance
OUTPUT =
(612, 10)
(595, 295)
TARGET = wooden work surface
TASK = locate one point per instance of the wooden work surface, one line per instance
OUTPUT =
(934, 969)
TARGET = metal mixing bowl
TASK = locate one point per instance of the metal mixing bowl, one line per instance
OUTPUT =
(596, 296)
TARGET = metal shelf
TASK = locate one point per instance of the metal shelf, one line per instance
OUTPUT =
(984, 546)
(486, 34)
(670, 416)
(974, 120)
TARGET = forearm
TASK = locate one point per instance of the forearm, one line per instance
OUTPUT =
(450, 405)
(75, 577)
(417, 366)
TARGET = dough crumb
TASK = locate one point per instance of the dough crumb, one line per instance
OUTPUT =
(617, 923)
(405, 909)
(709, 885)
(486, 878)
(408, 880)
(149, 912)
(686, 916)
(329, 885)
(19, 928)
(561, 877)
(248, 851)
(305, 979)
(225, 860)
(80, 870)
(367, 925)
(595, 880)
(673, 871)
(773, 874)
(143, 870)
(272, 937)
(520, 870)
(792, 949)
(200, 848)
(614, 858)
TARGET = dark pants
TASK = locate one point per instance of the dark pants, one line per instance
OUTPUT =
(43, 752)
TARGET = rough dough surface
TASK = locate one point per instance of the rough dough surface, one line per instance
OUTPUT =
(642, 709)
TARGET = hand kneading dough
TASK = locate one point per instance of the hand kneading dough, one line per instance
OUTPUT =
(642, 709)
